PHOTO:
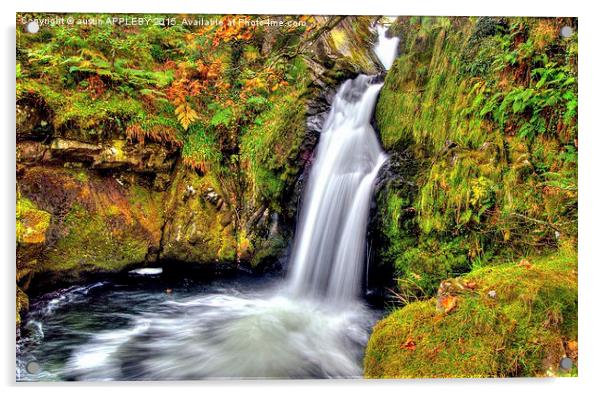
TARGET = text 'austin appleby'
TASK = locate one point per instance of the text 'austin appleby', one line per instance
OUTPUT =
(139, 21)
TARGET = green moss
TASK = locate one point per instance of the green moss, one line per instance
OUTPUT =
(32, 226)
(82, 176)
(89, 113)
(22, 304)
(97, 224)
(196, 229)
(420, 267)
(117, 146)
(201, 146)
(269, 251)
(270, 148)
(31, 222)
(81, 110)
(147, 207)
(91, 243)
(515, 322)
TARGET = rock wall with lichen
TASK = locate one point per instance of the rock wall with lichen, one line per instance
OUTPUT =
(479, 118)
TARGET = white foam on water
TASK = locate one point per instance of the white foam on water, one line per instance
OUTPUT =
(221, 336)
(147, 271)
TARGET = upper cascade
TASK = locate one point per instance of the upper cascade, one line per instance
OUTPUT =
(386, 47)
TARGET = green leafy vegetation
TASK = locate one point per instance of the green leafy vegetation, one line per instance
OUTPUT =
(271, 145)
(193, 87)
(107, 78)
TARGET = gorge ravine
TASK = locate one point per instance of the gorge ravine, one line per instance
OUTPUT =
(313, 325)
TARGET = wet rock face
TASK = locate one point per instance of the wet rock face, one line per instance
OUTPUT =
(346, 49)
(397, 175)
(199, 223)
(74, 150)
(92, 223)
(32, 226)
(111, 154)
(32, 122)
(102, 200)
(31, 152)
(147, 158)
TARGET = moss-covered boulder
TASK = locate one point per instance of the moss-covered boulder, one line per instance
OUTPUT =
(32, 228)
(32, 223)
(517, 319)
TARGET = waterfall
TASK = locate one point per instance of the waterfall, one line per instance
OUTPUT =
(386, 47)
(314, 327)
(328, 253)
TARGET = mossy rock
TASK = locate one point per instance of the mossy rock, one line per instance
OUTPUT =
(510, 320)
(94, 223)
(271, 149)
(32, 223)
(32, 226)
(348, 47)
(22, 304)
(92, 243)
(199, 224)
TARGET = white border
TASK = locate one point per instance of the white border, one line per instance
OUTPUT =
(324, 7)
(589, 179)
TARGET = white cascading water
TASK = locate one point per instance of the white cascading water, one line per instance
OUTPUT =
(386, 48)
(314, 326)
(328, 255)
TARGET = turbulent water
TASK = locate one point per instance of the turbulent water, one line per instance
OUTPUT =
(236, 328)
(311, 325)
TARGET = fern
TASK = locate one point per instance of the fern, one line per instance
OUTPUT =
(223, 117)
(186, 115)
